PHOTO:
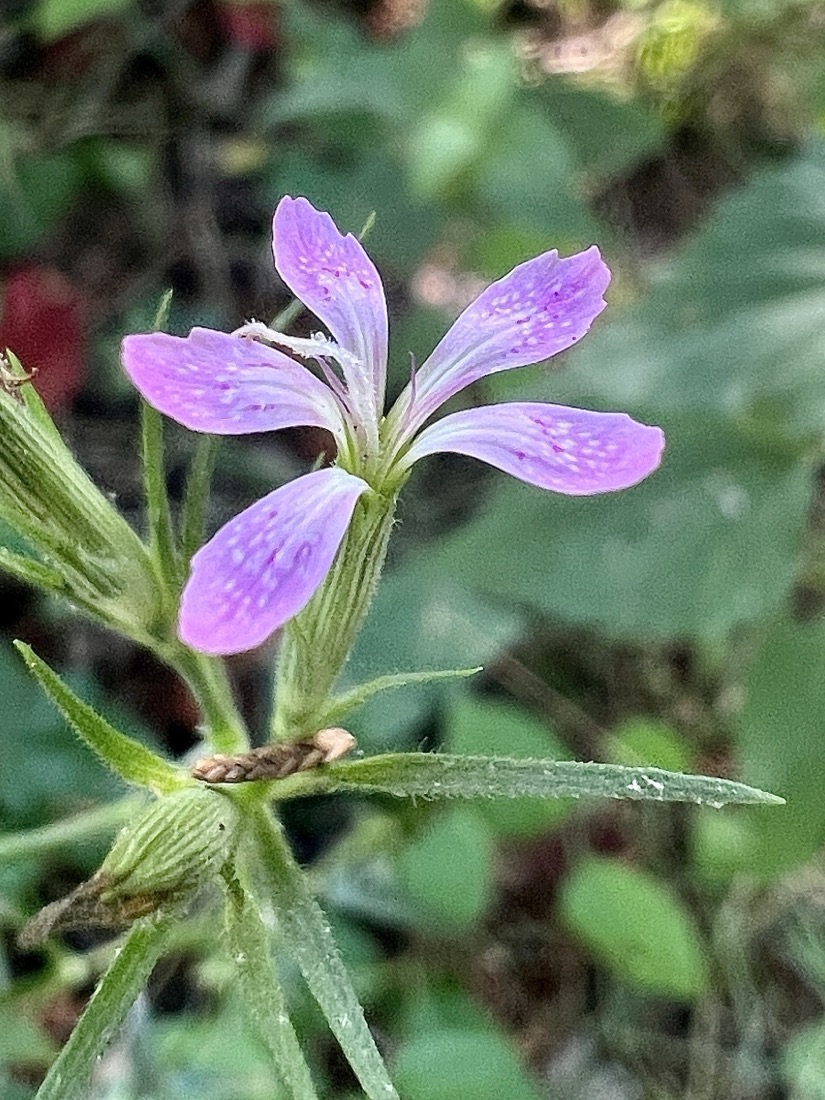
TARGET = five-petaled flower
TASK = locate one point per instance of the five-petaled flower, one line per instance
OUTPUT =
(262, 568)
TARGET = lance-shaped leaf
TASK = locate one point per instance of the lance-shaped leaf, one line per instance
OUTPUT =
(429, 775)
(126, 757)
(307, 938)
(251, 949)
(118, 990)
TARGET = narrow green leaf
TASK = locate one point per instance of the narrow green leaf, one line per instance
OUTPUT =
(116, 993)
(251, 951)
(308, 939)
(354, 697)
(126, 757)
(196, 494)
(427, 775)
(82, 826)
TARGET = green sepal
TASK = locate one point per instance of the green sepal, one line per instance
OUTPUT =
(126, 757)
(160, 860)
(175, 845)
(48, 498)
(348, 700)
(437, 776)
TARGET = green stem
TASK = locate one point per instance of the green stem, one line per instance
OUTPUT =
(209, 681)
(308, 939)
(317, 642)
(79, 827)
(161, 531)
(196, 494)
(116, 993)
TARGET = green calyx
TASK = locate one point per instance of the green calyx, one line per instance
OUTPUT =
(317, 642)
(177, 844)
(88, 552)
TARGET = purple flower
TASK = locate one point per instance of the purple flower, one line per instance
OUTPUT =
(262, 567)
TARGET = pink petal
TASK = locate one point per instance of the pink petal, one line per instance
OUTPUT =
(539, 309)
(566, 450)
(213, 382)
(262, 567)
(336, 279)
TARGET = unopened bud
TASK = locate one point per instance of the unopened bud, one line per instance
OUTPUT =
(50, 500)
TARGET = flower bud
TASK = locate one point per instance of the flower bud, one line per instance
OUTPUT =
(162, 859)
(172, 847)
(48, 498)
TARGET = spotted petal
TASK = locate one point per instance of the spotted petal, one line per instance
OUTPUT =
(213, 382)
(566, 450)
(539, 309)
(264, 565)
(333, 276)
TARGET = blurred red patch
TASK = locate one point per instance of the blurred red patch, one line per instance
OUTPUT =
(42, 320)
(251, 25)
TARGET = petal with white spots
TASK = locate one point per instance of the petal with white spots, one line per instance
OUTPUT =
(565, 450)
(335, 278)
(540, 308)
(212, 382)
(263, 567)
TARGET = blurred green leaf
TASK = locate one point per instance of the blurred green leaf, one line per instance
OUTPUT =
(35, 190)
(733, 326)
(781, 736)
(421, 620)
(706, 542)
(21, 1040)
(54, 18)
(803, 1062)
(724, 845)
(477, 727)
(635, 927)
(448, 871)
(452, 135)
(527, 177)
(639, 741)
(457, 1065)
(607, 135)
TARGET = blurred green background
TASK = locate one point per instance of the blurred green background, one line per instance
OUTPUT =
(572, 952)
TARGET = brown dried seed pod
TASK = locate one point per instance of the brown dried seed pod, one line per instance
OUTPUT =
(276, 761)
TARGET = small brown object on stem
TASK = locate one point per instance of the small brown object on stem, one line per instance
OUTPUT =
(276, 761)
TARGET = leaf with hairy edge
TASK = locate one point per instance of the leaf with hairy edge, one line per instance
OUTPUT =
(127, 758)
(307, 938)
(249, 943)
(430, 775)
(116, 993)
